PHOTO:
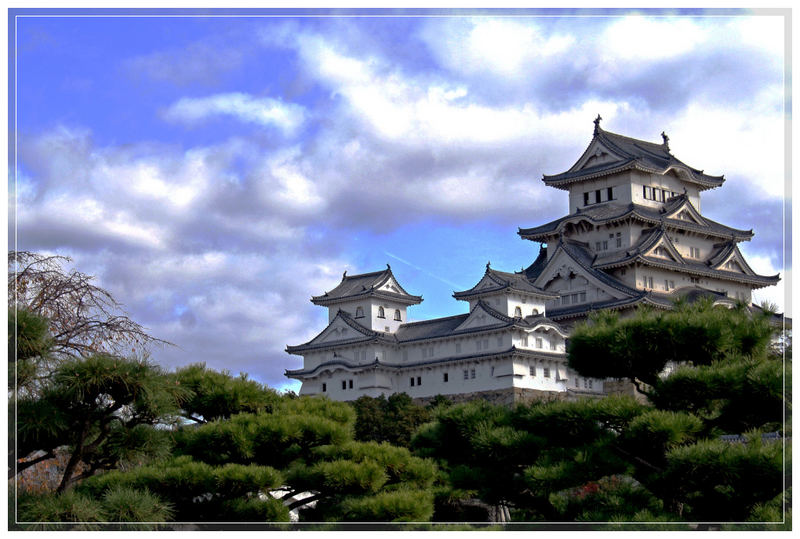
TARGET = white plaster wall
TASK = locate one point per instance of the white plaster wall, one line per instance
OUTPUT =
(668, 181)
(618, 182)
(526, 304)
(681, 280)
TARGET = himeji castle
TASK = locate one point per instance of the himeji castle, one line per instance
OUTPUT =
(634, 235)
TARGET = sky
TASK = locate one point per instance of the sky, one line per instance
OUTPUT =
(214, 172)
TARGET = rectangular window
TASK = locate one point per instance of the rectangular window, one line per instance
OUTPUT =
(610, 193)
(419, 380)
(533, 370)
(574, 298)
(597, 196)
(577, 384)
(485, 344)
(582, 296)
(597, 246)
(466, 374)
(525, 341)
(458, 348)
(344, 384)
(605, 245)
(586, 199)
(350, 384)
(666, 285)
(546, 372)
(647, 192)
(538, 342)
(411, 381)
(590, 383)
(552, 344)
(564, 300)
(324, 387)
(619, 239)
(472, 373)
(444, 377)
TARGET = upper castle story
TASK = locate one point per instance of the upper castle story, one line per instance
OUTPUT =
(622, 170)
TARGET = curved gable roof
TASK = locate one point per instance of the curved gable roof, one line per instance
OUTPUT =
(631, 153)
(365, 285)
(499, 281)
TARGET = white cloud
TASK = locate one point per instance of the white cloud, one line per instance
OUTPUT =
(264, 111)
(499, 46)
(746, 144)
(640, 38)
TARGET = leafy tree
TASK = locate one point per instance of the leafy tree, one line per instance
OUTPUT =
(29, 345)
(197, 491)
(393, 419)
(102, 407)
(640, 347)
(117, 504)
(216, 395)
(310, 440)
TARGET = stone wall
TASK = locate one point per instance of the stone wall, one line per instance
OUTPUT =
(512, 396)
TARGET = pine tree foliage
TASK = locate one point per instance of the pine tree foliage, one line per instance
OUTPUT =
(218, 395)
(91, 405)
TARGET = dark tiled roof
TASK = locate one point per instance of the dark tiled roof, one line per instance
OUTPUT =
(426, 329)
(581, 253)
(365, 284)
(651, 237)
(503, 281)
(634, 153)
(367, 335)
(450, 359)
(535, 269)
(610, 212)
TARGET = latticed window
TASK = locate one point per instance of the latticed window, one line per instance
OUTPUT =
(397, 315)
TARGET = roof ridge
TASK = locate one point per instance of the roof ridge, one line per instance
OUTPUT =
(420, 322)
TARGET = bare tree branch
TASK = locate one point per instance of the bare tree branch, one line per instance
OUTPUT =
(84, 318)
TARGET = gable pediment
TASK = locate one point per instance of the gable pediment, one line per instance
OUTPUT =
(665, 250)
(563, 273)
(595, 155)
(391, 285)
(687, 213)
(479, 317)
(734, 263)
